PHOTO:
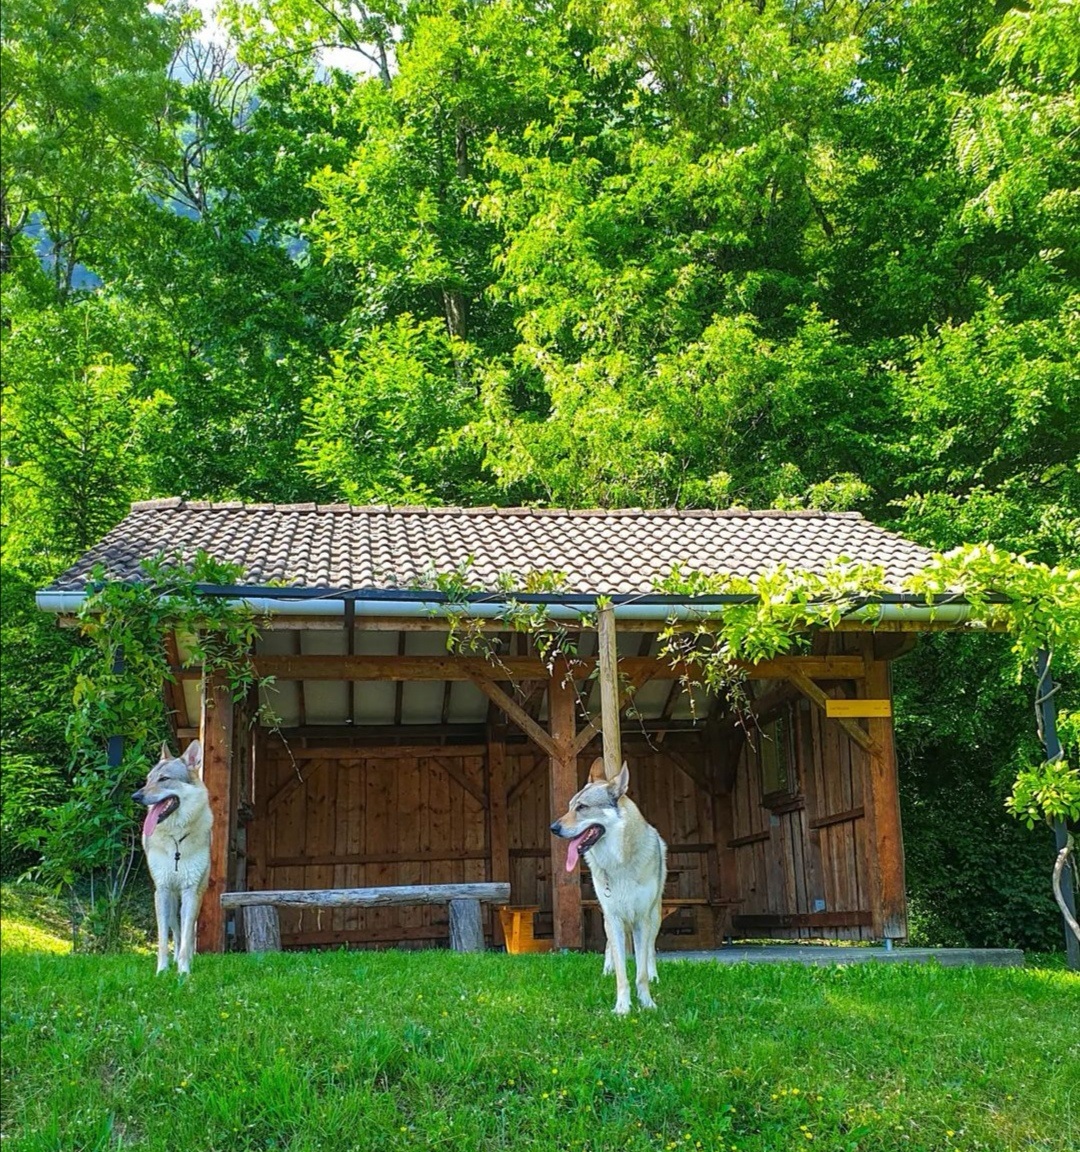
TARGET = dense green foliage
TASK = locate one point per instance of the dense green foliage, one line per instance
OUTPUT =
(87, 841)
(433, 1049)
(592, 252)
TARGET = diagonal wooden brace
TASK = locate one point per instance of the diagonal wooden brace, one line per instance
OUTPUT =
(812, 692)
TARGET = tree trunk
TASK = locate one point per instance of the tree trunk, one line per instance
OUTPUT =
(1059, 869)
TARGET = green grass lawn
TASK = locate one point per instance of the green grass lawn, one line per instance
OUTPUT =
(397, 1050)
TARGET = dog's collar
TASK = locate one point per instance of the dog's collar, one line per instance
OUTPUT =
(177, 843)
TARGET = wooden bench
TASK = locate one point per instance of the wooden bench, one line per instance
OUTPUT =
(263, 934)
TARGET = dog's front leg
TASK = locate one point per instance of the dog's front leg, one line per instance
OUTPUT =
(163, 908)
(644, 964)
(189, 913)
(609, 963)
(616, 941)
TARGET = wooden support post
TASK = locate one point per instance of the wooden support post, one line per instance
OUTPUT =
(498, 827)
(609, 690)
(262, 932)
(565, 886)
(466, 928)
(881, 801)
(217, 747)
(723, 749)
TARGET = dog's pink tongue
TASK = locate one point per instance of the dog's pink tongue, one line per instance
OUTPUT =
(572, 851)
(153, 815)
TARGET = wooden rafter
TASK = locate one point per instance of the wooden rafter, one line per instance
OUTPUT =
(518, 668)
(174, 692)
(674, 692)
(301, 701)
(287, 622)
(399, 691)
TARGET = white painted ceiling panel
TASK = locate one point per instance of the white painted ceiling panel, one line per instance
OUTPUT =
(326, 701)
(375, 701)
(421, 703)
(283, 700)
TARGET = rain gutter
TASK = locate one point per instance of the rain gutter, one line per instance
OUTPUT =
(331, 602)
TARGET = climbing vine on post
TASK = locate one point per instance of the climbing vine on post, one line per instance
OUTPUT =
(772, 614)
(778, 611)
(89, 844)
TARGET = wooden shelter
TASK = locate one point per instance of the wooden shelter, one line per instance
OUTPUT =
(393, 761)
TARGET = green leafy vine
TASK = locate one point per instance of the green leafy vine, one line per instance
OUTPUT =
(89, 844)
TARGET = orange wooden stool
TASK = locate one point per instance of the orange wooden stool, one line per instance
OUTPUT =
(517, 926)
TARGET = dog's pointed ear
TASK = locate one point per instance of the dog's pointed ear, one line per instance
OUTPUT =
(166, 752)
(596, 771)
(192, 759)
(619, 785)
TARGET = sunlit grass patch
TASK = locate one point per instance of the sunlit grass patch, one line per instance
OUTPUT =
(437, 1050)
(32, 920)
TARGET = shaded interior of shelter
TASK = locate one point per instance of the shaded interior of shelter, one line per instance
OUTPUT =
(373, 783)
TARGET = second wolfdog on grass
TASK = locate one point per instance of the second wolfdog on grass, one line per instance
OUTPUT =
(176, 839)
(628, 862)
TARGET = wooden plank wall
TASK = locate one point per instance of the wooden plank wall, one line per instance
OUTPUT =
(361, 821)
(803, 854)
(667, 798)
(364, 820)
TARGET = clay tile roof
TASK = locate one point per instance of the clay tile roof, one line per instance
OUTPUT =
(621, 551)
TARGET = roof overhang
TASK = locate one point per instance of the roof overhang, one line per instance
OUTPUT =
(322, 603)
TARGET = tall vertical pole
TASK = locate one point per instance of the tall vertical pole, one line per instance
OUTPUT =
(609, 690)
(1046, 719)
(498, 827)
(565, 886)
(881, 800)
(217, 753)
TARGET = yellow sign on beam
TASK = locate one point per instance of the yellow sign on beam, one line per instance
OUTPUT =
(848, 709)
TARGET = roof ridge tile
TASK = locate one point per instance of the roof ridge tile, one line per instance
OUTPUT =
(163, 502)
(487, 510)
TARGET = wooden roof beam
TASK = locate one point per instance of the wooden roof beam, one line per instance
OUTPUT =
(518, 668)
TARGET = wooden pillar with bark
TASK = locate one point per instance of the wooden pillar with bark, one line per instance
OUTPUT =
(881, 799)
(565, 886)
(216, 731)
(610, 704)
(498, 829)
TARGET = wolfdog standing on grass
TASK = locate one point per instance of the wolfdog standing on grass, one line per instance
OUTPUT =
(628, 862)
(176, 839)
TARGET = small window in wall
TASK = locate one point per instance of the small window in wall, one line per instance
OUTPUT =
(777, 761)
